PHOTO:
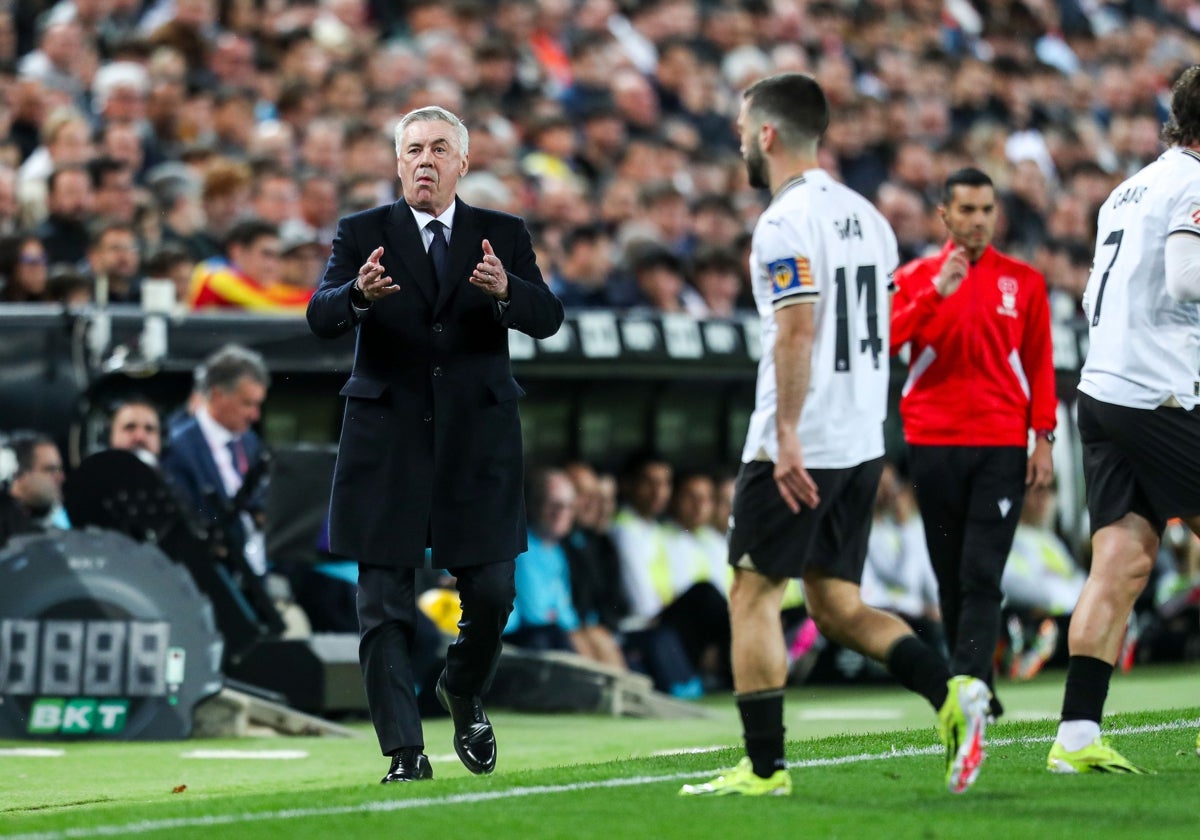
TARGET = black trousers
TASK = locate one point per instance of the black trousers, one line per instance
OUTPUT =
(387, 619)
(970, 499)
(700, 616)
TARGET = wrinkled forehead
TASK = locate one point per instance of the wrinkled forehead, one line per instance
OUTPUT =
(424, 132)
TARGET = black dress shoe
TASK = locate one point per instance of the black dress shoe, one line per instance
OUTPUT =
(408, 765)
(474, 740)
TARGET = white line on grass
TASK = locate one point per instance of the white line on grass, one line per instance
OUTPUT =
(277, 755)
(691, 750)
(389, 805)
(849, 714)
(32, 752)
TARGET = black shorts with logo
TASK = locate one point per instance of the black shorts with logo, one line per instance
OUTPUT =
(1139, 460)
(768, 538)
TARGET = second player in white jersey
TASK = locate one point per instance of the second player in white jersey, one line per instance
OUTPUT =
(821, 243)
(1144, 346)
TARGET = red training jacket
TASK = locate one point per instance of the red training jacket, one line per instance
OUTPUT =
(981, 369)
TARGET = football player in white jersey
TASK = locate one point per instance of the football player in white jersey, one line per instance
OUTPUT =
(821, 262)
(1137, 413)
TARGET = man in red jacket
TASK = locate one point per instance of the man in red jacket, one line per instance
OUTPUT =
(981, 375)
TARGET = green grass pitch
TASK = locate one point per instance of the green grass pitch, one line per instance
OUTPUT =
(865, 763)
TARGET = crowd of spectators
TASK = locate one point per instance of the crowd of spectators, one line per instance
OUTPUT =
(136, 135)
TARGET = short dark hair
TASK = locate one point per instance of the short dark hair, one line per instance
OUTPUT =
(129, 400)
(226, 367)
(655, 257)
(967, 177)
(59, 171)
(101, 167)
(160, 261)
(1183, 126)
(637, 462)
(716, 258)
(587, 234)
(102, 226)
(248, 231)
(23, 444)
(793, 102)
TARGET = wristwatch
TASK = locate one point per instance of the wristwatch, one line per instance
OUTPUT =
(1046, 436)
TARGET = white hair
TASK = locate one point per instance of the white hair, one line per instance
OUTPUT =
(485, 189)
(745, 64)
(431, 113)
(115, 75)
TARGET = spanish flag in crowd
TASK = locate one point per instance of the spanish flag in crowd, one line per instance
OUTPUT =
(216, 283)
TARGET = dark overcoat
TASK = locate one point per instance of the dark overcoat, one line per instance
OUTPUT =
(430, 452)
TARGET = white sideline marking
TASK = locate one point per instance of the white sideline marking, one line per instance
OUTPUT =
(32, 752)
(850, 714)
(389, 805)
(277, 755)
(692, 750)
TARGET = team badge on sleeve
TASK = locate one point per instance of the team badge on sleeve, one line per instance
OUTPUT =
(791, 274)
(1194, 212)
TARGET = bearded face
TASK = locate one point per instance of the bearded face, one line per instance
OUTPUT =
(752, 151)
(756, 164)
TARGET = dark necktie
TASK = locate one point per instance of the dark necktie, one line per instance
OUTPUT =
(438, 250)
(240, 462)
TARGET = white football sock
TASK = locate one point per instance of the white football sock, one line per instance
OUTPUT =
(1077, 734)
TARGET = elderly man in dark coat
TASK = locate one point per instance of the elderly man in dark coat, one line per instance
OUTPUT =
(430, 453)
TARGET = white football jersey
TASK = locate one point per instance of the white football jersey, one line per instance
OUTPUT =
(1143, 345)
(821, 243)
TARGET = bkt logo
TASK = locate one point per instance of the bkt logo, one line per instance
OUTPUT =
(77, 716)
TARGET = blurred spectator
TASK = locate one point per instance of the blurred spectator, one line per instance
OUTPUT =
(134, 425)
(23, 270)
(69, 201)
(319, 204)
(659, 280)
(1025, 205)
(596, 588)
(580, 276)
(904, 209)
(178, 196)
(115, 263)
(723, 485)
(543, 616)
(302, 256)
(65, 141)
(698, 560)
(56, 62)
(898, 575)
(717, 275)
(273, 196)
(1041, 584)
(602, 140)
(250, 276)
(715, 221)
(655, 605)
(69, 286)
(113, 193)
(225, 197)
(233, 122)
(9, 207)
(171, 262)
(31, 470)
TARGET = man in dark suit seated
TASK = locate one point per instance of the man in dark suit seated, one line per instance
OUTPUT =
(430, 452)
(211, 453)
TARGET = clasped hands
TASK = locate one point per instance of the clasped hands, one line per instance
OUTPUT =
(489, 276)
